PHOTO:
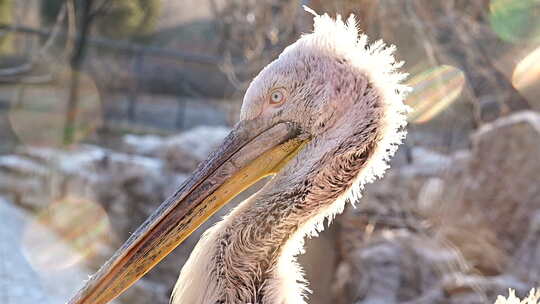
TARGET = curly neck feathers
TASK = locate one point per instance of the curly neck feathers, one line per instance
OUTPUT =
(249, 257)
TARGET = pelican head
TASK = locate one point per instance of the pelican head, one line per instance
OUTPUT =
(324, 118)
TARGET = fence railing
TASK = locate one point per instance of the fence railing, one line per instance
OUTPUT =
(138, 53)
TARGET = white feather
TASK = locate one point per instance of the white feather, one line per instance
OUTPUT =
(288, 285)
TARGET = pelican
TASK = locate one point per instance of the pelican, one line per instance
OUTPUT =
(323, 119)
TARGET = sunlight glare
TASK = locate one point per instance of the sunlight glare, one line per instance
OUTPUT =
(37, 113)
(65, 233)
(526, 77)
(433, 91)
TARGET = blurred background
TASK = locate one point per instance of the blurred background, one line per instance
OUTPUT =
(107, 106)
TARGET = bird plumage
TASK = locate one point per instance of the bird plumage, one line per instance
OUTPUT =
(348, 97)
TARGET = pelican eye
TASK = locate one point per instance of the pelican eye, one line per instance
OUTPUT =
(277, 96)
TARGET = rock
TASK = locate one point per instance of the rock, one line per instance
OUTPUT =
(146, 291)
(408, 241)
(492, 191)
(503, 176)
(382, 265)
(526, 260)
(173, 183)
(466, 225)
(430, 193)
(182, 152)
(185, 151)
(21, 166)
(462, 288)
(23, 180)
(147, 145)
(425, 163)
(389, 267)
(129, 187)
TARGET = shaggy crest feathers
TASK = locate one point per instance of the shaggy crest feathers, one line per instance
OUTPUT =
(533, 298)
(377, 61)
(341, 39)
(338, 38)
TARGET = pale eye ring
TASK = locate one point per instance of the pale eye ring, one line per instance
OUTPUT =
(277, 96)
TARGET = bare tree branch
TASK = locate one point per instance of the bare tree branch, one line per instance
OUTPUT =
(255, 32)
(20, 71)
(126, 46)
(458, 33)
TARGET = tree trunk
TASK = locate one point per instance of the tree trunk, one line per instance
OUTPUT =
(76, 62)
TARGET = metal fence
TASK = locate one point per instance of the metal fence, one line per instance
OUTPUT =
(131, 105)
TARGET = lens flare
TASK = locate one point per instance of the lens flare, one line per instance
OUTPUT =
(515, 20)
(38, 112)
(65, 233)
(526, 77)
(433, 91)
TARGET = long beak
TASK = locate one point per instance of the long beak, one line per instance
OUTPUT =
(249, 153)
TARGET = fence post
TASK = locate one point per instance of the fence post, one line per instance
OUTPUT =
(137, 62)
(180, 113)
(76, 62)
